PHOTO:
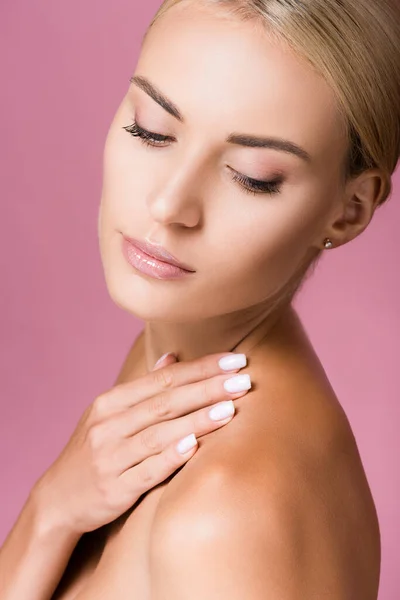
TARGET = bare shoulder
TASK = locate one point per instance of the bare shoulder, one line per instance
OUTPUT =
(277, 500)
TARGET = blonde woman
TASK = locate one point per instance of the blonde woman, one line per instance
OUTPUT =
(255, 136)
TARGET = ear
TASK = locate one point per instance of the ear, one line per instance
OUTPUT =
(362, 196)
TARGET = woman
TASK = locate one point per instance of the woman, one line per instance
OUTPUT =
(254, 135)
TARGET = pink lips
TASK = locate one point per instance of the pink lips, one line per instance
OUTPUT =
(152, 260)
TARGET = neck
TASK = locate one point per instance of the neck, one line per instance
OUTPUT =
(238, 332)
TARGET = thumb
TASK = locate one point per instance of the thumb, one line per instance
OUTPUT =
(166, 359)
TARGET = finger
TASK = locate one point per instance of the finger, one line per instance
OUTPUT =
(179, 402)
(166, 359)
(154, 440)
(131, 393)
(158, 467)
(106, 404)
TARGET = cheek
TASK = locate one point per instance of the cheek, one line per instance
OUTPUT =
(262, 251)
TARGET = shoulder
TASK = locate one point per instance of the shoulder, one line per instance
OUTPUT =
(228, 536)
(263, 508)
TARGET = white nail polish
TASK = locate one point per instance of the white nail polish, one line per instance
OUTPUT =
(186, 444)
(162, 358)
(232, 361)
(222, 411)
(239, 383)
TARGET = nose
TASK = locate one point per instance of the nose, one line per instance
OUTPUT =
(176, 200)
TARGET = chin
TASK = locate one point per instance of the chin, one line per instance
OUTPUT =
(184, 300)
(148, 299)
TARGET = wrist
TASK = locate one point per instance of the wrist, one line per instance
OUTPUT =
(49, 521)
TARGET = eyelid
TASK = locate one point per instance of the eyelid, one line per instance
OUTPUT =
(276, 177)
(249, 184)
(278, 174)
(152, 133)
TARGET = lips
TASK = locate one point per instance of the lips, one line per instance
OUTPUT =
(159, 253)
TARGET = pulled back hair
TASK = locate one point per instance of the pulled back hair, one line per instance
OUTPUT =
(355, 46)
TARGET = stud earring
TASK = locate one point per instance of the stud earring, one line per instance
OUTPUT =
(328, 244)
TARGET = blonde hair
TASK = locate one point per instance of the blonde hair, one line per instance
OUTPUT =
(355, 46)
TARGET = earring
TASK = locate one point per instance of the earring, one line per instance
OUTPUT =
(328, 244)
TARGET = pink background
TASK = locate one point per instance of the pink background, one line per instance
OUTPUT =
(64, 70)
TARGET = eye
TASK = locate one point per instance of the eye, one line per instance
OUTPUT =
(148, 138)
(251, 186)
(256, 186)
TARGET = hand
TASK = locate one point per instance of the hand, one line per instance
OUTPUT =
(126, 440)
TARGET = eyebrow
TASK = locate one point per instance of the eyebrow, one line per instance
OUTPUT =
(241, 139)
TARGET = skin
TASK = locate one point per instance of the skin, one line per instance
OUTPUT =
(224, 76)
(245, 516)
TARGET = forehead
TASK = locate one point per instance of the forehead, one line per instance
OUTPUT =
(225, 74)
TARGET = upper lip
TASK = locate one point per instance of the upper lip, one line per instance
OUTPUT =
(157, 251)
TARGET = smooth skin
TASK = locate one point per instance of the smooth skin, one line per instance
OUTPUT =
(224, 76)
(276, 504)
(124, 444)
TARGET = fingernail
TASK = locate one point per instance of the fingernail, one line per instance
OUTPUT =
(162, 358)
(222, 411)
(238, 383)
(186, 444)
(232, 361)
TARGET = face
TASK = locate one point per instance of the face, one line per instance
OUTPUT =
(191, 190)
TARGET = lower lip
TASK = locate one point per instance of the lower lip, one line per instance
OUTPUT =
(151, 266)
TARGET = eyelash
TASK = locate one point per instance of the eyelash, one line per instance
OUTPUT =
(249, 185)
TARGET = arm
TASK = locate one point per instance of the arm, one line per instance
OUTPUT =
(35, 552)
